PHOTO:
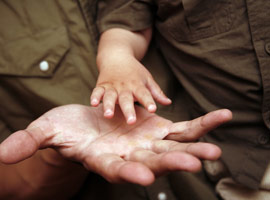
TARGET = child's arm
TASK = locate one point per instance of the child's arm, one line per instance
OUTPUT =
(123, 79)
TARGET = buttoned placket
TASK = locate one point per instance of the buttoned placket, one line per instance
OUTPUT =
(89, 13)
(257, 12)
(260, 28)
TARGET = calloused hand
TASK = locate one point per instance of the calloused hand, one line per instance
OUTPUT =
(113, 149)
(124, 83)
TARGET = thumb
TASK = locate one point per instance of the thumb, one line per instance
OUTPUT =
(21, 145)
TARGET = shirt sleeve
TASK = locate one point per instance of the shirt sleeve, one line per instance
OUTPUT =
(128, 14)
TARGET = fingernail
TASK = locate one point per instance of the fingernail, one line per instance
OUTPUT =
(131, 119)
(108, 112)
(94, 102)
(152, 108)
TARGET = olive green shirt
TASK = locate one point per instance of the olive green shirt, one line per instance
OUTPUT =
(220, 53)
(47, 59)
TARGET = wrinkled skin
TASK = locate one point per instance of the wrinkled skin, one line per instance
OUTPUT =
(117, 151)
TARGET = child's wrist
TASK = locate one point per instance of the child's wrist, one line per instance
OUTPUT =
(114, 59)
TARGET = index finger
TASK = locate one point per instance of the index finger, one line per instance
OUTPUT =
(194, 129)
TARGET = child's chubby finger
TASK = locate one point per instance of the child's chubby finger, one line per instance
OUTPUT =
(145, 98)
(109, 101)
(157, 93)
(97, 95)
(126, 102)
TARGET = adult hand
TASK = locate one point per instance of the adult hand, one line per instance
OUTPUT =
(113, 149)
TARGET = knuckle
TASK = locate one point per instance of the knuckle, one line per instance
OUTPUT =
(106, 85)
(125, 95)
(112, 92)
(98, 90)
(141, 90)
(135, 82)
(189, 126)
(122, 84)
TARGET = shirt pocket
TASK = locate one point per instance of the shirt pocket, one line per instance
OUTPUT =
(35, 55)
(201, 19)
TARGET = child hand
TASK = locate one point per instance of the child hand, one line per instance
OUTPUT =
(124, 84)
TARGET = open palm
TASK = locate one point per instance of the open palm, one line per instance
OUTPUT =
(113, 149)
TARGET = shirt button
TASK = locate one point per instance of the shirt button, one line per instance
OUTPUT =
(44, 66)
(267, 48)
(162, 196)
(263, 139)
